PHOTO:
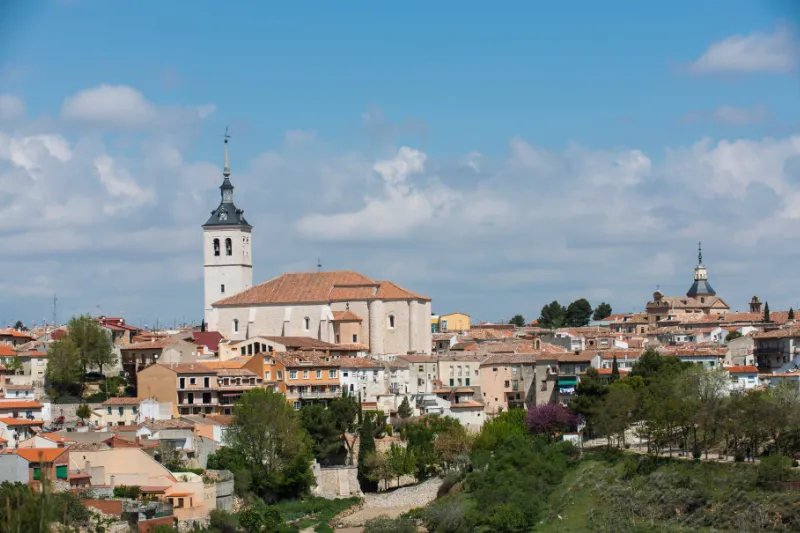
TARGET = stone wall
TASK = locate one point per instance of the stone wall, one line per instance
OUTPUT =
(336, 482)
(67, 410)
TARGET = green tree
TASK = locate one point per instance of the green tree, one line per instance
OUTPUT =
(517, 320)
(618, 412)
(405, 410)
(366, 439)
(19, 326)
(220, 521)
(602, 311)
(452, 447)
(344, 412)
(170, 456)
(14, 366)
(614, 370)
(275, 448)
(501, 428)
(325, 437)
(552, 315)
(732, 335)
(790, 316)
(587, 400)
(83, 412)
(64, 366)
(400, 462)
(766, 312)
(94, 345)
(578, 313)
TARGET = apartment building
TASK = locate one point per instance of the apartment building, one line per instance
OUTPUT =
(460, 370)
(508, 381)
(309, 377)
(423, 372)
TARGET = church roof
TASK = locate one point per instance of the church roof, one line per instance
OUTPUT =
(227, 214)
(319, 287)
(700, 287)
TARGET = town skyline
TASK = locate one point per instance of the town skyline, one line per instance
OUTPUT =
(566, 176)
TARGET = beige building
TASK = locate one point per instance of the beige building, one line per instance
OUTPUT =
(379, 314)
(508, 381)
(119, 412)
(140, 355)
(460, 370)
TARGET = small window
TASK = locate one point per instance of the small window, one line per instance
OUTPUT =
(391, 321)
(109, 411)
(216, 246)
(305, 374)
(319, 374)
(307, 323)
(192, 381)
(332, 374)
(236, 325)
(120, 411)
(206, 382)
(451, 382)
(292, 374)
(296, 406)
(228, 247)
(134, 410)
(355, 338)
(279, 374)
(222, 288)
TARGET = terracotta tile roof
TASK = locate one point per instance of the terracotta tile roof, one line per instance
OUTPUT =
(122, 401)
(618, 317)
(417, 358)
(464, 346)
(744, 369)
(188, 368)
(131, 428)
(607, 371)
(207, 338)
(621, 353)
(231, 363)
(693, 352)
(357, 362)
(21, 422)
(505, 359)
(235, 372)
(318, 287)
(179, 494)
(306, 360)
(19, 387)
(466, 405)
(293, 343)
(55, 437)
(20, 404)
(157, 344)
(486, 334)
(353, 347)
(31, 353)
(443, 336)
(778, 334)
(7, 351)
(778, 317)
(15, 334)
(346, 316)
(571, 357)
(172, 423)
(40, 455)
(785, 375)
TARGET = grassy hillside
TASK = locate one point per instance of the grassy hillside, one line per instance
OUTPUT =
(628, 493)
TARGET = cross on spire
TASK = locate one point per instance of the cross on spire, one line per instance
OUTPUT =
(226, 171)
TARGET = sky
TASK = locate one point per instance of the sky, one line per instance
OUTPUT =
(493, 157)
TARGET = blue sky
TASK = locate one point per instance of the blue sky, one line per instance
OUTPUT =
(554, 150)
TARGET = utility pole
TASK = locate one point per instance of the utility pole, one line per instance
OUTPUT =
(55, 313)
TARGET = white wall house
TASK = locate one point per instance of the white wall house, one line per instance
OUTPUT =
(743, 377)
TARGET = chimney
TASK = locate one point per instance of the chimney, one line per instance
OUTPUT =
(111, 484)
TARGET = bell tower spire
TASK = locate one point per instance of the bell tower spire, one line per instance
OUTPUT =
(699, 244)
(228, 267)
(700, 287)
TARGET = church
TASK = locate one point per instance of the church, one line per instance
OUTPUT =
(340, 307)
(700, 304)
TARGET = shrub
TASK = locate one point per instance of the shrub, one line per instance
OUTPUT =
(447, 484)
(384, 524)
(222, 522)
(127, 491)
(773, 469)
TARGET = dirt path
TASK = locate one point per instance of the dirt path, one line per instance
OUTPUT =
(391, 504)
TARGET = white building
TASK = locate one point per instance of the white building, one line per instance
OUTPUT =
(335, 307)
(227, 263)
(743, 377)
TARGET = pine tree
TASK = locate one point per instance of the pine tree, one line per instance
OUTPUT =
(766, 312)
(614, 370)
(405, 410)
(791, 314)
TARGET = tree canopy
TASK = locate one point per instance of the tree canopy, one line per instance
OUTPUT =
(575, 315)
(274, 447)
(602, 311)
(517, 320)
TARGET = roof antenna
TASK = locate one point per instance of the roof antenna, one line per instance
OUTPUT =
(319, 264)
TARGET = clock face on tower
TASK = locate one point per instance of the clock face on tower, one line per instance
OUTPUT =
(223, 215)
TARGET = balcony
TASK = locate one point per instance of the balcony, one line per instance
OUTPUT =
(317, 395)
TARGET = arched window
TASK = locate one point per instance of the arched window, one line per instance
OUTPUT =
(307, 323)
(216, 246)
(236, 325)
(228, 247)
(391, 321)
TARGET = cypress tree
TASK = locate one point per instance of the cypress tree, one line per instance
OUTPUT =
(614, 370)
(366, 442)
(791, 314)
(766, 312)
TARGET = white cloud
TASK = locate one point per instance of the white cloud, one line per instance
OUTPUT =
(125, 194)
(125, 108)
(11, 107)
(741, 116)
(756, 52)
(300, 136)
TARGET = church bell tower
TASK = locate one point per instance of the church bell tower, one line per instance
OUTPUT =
(227, 262)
